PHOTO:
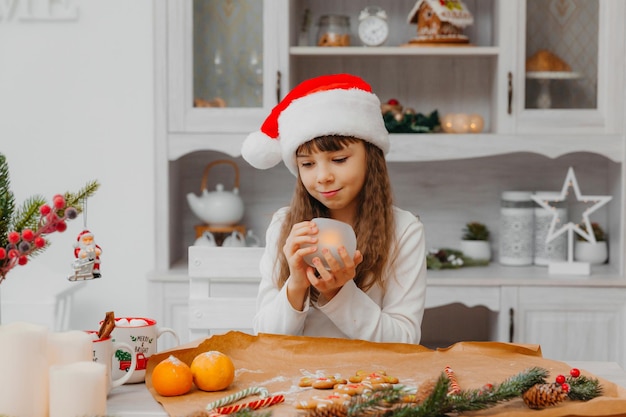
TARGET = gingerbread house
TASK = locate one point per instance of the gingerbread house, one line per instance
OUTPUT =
(440, 21)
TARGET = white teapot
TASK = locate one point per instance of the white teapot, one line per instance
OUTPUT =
(219, 207)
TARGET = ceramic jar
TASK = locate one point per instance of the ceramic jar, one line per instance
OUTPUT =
(516, 228)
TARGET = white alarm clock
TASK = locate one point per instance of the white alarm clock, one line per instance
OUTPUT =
(373, 27)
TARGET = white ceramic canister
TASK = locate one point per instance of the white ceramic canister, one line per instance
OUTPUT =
(556, 249)
(516, 228)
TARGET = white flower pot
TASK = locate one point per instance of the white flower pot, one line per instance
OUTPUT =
(476, 249)
(594, 253)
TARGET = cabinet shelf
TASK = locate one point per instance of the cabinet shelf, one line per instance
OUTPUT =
(453, 51)
(434, 147)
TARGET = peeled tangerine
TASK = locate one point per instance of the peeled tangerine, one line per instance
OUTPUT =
(212, 371)
(172, 377)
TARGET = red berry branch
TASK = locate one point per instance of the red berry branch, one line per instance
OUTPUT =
(23, 232)
(23, 244)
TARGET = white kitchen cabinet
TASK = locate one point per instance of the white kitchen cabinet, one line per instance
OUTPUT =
(571, 319)
(587, 35)
(447, 179)
(168, 304)
(574, 322)
(224, 55)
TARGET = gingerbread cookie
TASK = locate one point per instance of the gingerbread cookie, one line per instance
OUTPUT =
(377, 377)
(319, 401)
(321, 382)
(353, 388)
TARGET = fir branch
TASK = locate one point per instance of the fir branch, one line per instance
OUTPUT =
(27, 216)
(582, 388)
(515, 386)
(77, 199)
(7, 201)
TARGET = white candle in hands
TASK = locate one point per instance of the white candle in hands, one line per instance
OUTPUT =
(332, 234)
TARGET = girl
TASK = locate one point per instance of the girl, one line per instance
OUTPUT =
(330, 133)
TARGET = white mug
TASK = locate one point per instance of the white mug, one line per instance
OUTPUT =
(104, 350)
(141, 334)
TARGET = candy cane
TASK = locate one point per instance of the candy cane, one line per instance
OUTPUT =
(263, 393)
(454, 385)
(254, 405)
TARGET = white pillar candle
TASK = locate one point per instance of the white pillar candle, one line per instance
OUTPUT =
(69, 347)
(78, 389)
(24, 370)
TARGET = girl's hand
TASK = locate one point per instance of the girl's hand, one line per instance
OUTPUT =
(297, 288)
(329, 282)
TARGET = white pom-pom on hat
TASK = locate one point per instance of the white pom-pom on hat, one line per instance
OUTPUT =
(338, 104)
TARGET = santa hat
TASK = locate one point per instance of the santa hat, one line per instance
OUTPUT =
(339, 104)
(84, 233)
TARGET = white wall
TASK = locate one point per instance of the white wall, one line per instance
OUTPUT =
(76, 104)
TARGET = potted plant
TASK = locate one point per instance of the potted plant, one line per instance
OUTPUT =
(475, 241)
(594, 253)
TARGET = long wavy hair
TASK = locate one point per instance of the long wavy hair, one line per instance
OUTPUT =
(375, 225)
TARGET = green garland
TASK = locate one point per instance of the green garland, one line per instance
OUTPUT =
(390, 402)
(446, 258)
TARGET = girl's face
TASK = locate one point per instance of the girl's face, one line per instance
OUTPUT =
(335, 178)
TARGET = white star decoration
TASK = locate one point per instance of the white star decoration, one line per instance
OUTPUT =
(571, 227)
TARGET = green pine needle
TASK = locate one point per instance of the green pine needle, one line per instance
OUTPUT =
(515, 386)
(583, 388)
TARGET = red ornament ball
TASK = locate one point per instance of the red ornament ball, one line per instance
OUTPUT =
(3, 253)
(27, 235)
(575, 372)
(393, 102)
(58, 201)
(13, 237)
(565, 387)
(45, 210)
(40, 242)
(22, 260)
(61, 226)
(13, 254)
(560, 379)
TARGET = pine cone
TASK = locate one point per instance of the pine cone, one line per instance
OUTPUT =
(544, 395)
(332, 410)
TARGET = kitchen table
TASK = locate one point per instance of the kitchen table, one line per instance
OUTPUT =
(134, 400)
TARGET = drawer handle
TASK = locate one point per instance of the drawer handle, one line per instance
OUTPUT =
(510, 89)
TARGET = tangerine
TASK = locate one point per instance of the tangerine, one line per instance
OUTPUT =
(172, 377)
(212, 371)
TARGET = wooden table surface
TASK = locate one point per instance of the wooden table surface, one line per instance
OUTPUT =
(134, 400)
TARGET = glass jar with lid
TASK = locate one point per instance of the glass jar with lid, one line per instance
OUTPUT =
(334, 30)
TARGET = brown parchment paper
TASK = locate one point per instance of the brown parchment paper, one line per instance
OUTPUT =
(278, 362)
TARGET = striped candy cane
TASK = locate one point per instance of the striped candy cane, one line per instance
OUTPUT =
(254, 405)
(454, 384)
(262, 392)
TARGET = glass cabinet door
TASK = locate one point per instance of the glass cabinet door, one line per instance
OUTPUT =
(225, 72)
(564, 75)
(562, 54)
(227, 53)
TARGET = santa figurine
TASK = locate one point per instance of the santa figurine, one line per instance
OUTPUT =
(85, 249)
